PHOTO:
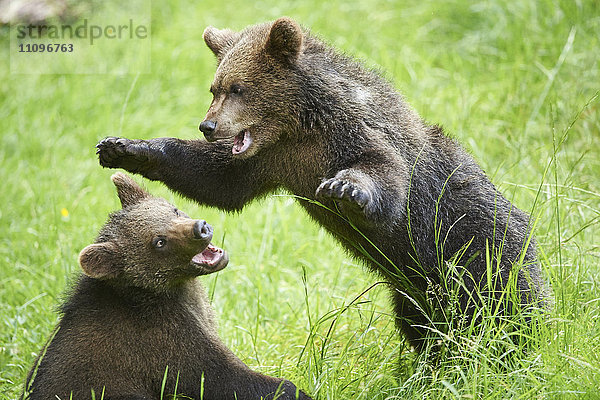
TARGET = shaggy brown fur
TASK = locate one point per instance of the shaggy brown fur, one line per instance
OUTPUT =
(137, 311)
(290, 112)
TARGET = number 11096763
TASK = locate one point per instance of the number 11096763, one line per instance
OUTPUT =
(46, 48)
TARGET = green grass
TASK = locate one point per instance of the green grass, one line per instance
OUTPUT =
(513, 81)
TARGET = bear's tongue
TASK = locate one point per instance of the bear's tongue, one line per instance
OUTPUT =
(241, 142)
(209, 256)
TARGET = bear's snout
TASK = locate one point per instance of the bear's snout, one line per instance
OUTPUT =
(208, 128)
(203, 231)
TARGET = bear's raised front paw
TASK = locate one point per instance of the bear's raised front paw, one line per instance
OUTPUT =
(343, 190)
(131, 155)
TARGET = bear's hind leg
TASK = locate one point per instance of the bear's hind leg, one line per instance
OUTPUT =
(410, 321)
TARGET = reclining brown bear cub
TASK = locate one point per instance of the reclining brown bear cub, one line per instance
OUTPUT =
(137, 311)
(290, 112)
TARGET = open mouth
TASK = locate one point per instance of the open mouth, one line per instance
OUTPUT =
(241, 142)
(211, 259)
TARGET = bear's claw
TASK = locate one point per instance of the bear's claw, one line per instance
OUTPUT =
(339, 189)
(131, 155)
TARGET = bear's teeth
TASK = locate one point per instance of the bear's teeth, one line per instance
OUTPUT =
(208, 256)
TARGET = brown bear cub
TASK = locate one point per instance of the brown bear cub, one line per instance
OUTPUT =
(137, 325)
(290, 112)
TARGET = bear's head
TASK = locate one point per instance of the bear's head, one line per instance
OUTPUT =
(254, 86)
(150, 244)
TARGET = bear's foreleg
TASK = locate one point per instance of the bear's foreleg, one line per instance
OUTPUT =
(363, 194)
(205, 172)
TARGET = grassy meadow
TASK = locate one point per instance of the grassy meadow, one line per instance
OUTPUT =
(515, 82)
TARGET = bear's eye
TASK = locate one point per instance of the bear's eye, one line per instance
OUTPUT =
(159, 242)
(236, 89)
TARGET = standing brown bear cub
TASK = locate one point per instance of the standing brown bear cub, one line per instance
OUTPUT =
(290, 112)
(137, 319)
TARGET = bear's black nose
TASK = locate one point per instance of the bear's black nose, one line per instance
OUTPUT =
(208, 127)
(203, 231)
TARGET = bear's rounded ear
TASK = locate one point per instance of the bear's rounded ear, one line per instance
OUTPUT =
(100, 260)
(285, 40)
(220, 40)
(128, 190)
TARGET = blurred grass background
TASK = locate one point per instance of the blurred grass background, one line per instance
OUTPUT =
(513, 81)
